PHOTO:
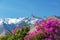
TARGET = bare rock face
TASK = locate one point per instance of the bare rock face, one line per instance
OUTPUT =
(54, 17)
(51, 17)
(33, 29)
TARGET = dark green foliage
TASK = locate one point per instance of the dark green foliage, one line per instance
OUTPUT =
(19, 35)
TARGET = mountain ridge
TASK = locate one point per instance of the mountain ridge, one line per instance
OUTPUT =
(7, 24)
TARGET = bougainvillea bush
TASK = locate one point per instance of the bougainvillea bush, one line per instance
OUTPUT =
(48, 29)
(17, 33)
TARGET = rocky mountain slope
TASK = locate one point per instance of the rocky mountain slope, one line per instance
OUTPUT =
(7, 24)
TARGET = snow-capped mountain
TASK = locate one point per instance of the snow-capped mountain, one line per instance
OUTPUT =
(7, 24)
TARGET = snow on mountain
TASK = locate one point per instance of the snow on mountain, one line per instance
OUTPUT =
(7, 24)
(13, 20)
(2, 29)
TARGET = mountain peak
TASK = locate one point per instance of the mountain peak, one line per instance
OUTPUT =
(7, 24)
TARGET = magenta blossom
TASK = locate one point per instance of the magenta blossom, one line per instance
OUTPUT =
(39, 31)
(32, 33)
(37, 23)
(37, 27)
(43, 21)
(26, 37)
(13, 31)
(50, 28)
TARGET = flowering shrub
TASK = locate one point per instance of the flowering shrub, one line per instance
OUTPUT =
(17, 34)
(48, 29)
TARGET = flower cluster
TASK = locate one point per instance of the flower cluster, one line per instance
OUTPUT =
(28, 37)
(17, 33)
(14, 30)
(50, 28)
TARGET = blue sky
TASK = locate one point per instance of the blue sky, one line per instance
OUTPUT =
(24, 8)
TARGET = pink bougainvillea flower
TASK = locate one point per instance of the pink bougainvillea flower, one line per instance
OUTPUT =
(37, 23)
(27, 37)
(53, 22)
(49, 38)
(50, 29)
(38, 31)
(46, 29)
(32, 33)
(13, 31)
(37, 27)
(55, 36)
(48, 22)
(43, 21)
(58, 24)
(46, 39)
(44, 25)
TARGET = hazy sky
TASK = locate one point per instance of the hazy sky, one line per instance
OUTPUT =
(24, 8)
